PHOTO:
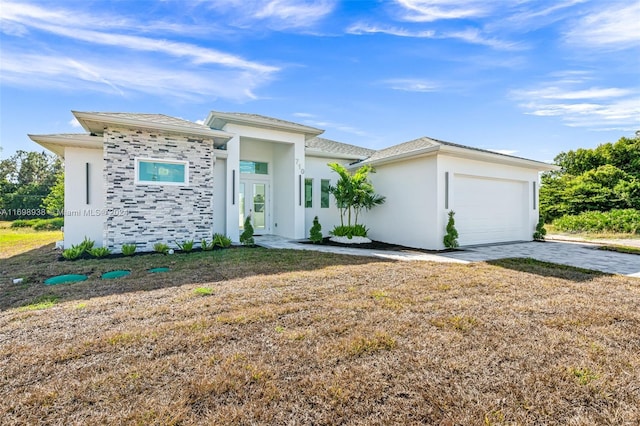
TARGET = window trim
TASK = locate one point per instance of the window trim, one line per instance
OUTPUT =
(161, 183)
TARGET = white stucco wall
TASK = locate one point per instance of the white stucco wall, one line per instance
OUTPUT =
(220, 196)
(317, 169)
(83, 219)
(408, 215)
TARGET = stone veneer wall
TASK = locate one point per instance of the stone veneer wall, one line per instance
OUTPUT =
(147, 214)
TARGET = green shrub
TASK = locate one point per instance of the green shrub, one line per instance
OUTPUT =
(21, 223)
(206, 246)
(350, 231)
(186, 247)
(246, 237)
(222, 240)
(540, 231)
(99, 252)
(87, 244)
(128, 249)
(48, 224)
(161, 248)
(451, 238)
(616, 221)
(315, 233)
(73, 252)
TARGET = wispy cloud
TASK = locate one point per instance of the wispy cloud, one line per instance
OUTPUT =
(616, 27)
(275, 14)
(74, 123)
(411, 84)
(468, 35)
(593, 107)
(433, 10)
(315, 121)
(203, 72)
(304, 115)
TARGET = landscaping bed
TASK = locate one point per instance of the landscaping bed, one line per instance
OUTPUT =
(376, 245)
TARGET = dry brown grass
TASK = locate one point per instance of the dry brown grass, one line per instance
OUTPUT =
(308, 338)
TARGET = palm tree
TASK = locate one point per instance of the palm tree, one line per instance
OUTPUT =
(354, 192)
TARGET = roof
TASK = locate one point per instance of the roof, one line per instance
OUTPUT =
(57, 142)
(94, 122)
(321, 146)
(425, 146)
(217, 120)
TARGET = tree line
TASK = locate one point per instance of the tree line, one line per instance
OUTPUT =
(31, 185)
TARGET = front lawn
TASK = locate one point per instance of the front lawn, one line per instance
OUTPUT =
(256, 336)
(14, 241)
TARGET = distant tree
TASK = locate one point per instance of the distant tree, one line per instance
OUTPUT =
(26, 178)
(602, 179)
(54, 202)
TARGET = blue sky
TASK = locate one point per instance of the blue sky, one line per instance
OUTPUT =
(529, 78)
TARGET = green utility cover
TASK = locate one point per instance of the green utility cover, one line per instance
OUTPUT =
(62, 279)
(115, 274)
(161, 269)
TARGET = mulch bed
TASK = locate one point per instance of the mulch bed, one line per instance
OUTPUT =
(377, 245)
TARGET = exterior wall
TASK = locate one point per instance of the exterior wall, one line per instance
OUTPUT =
(462, 166)
(285, 152)
(83, 219)
(317, 169)
(156, 213)
(220, 196)
(409, 213)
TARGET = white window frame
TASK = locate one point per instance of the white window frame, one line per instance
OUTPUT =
(158, 160)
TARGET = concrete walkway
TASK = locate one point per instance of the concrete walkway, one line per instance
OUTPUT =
(581, 255)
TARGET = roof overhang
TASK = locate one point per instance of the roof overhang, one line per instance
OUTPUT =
(58, 143)
(218, 120)
(96, 123)
(495, 157)
(324, 154)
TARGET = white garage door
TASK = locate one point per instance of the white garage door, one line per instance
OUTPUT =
(490, 210)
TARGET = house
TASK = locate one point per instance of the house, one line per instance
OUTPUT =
(148, 178)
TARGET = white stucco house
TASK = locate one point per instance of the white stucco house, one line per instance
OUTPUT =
(147, 178)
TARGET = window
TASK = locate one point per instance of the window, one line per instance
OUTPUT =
(308, 193)
(162, 172)
(254, 167)
(324, 193)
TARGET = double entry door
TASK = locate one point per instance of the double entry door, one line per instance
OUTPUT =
(254, 202)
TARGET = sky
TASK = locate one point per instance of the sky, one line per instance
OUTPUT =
(522, 77)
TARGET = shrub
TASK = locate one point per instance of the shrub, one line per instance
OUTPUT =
(451, 238)
(206, 246)
(315, 233)
(48, 224)
(99, 252)
(540, 231)
(73, 252)
(186, 247)
(86, 244)
(246, 237)
(616, 221)
(21, 223)
(350, 231)
(161, 248)
(222, 240)
(128, 249)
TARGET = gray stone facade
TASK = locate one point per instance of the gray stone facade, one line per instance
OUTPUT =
(146, 214)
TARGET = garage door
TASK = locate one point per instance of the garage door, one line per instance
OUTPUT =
(490, 210)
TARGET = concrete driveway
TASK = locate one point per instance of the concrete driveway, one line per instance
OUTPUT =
(581, 255)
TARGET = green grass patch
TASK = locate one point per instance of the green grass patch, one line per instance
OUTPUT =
(203, 291)
(621, 249)
(42, 302)
(14, 241)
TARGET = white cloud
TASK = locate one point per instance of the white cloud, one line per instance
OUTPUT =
(303, 115)
(74, 123)
(411, 85)
(595, 108)
(433, 10)
(364, 28)
(615, 27)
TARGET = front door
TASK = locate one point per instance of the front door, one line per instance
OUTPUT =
(254, 202)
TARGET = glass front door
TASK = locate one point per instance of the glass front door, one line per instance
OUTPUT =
(253, 199)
